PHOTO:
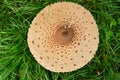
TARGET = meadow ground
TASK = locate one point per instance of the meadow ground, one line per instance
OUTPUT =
(16, 61)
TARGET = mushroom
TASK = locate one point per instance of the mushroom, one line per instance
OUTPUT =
(63, 37)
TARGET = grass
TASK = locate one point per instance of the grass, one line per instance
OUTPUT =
(16, 61)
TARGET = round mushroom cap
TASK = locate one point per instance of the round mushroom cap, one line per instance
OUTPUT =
(63, 37)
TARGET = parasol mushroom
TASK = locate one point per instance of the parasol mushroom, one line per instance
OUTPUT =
(63, 37)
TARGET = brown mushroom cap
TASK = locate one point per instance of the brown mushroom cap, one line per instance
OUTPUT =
(63, 37)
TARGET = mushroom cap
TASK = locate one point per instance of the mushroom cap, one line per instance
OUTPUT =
(63, 37)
